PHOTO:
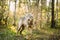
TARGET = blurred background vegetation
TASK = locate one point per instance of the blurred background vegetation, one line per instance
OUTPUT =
(46, 15)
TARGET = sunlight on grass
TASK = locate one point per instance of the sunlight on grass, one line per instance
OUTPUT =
(48, 31)
(25, 32)
(13, 29)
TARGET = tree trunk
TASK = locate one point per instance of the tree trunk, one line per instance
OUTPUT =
(8, 12)
(52, 19)
(41, 15)
(57, 12)
(15, 15)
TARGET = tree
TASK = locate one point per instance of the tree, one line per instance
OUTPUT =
(43, 6)
(3, 8)
(48, 12)
(7, 18)
(15, 14)
(57, 12)
(52, 13)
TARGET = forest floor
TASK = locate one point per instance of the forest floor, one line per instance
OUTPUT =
(45, 33)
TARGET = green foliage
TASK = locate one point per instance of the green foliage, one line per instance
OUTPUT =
(3, 12)
(7, 34)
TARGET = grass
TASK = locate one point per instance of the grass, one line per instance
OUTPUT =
(46, 33)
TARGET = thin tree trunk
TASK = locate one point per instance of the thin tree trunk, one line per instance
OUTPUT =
(57, 11)
(2, 10)
(8, 12)
(41, 15)
(48, 15)
(15, 15)
(37, 6)
(52, 19)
